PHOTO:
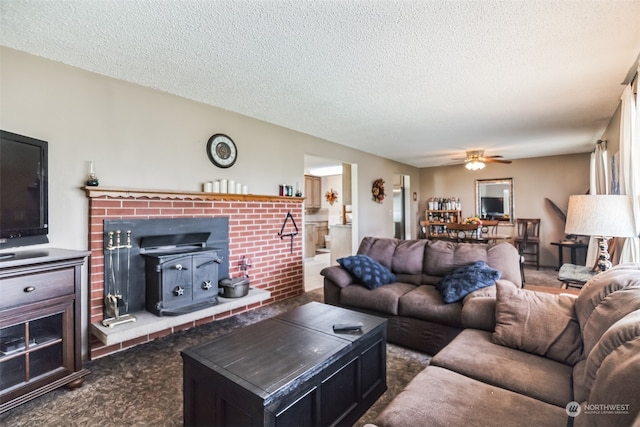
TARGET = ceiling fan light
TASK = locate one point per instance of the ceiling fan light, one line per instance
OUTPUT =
(474, 165)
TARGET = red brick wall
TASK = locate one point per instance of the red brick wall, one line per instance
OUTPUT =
(254, 224)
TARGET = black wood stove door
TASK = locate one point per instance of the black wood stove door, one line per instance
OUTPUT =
(177, 289)
(181, 283)
(205, 276)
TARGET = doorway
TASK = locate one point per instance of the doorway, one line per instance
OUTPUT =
(332, 199)
(401, 206)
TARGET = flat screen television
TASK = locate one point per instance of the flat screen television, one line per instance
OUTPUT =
(492, 207)
(24, 210)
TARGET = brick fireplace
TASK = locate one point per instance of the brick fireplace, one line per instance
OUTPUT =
(254, 225)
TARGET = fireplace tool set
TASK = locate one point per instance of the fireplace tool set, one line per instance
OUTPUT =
(115, 300)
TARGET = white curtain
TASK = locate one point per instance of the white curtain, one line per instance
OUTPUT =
(630, 165)
(599, 172)
(598, 184)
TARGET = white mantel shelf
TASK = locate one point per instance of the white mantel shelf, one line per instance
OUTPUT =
(147, 323)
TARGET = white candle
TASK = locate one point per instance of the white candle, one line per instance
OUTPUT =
(223, 186)
(207, 187)
(238, 188)
(245, 189)
(216, 186)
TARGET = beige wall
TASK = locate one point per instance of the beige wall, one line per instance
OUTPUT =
(144, 138)
(533, 180)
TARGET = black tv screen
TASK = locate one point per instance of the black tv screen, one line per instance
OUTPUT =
(492, 206)
(24, 218)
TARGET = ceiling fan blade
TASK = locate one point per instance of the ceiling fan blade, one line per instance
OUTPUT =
(494, 157)
(492, 160)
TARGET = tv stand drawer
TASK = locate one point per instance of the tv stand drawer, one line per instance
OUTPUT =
(17, 291)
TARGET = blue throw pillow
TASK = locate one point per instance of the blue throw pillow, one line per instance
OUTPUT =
(456, 284)
(367, 270)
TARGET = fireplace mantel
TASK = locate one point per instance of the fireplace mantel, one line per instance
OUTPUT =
(93, 192)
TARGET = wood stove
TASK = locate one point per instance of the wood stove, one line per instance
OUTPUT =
(168, 266)
(181, 273)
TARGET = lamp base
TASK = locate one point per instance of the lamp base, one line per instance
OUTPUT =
(604, 263)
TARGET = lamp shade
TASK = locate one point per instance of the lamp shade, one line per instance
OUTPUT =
(600, 215)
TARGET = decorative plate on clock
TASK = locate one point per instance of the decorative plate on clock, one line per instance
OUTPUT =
(222, 150)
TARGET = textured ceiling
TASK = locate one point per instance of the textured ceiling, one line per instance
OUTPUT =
(419, 82)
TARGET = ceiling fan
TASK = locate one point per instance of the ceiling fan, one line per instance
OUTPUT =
(476, 160)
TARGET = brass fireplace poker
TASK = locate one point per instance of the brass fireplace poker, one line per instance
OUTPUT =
(114, 299)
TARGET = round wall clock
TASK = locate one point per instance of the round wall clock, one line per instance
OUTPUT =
(222, 151)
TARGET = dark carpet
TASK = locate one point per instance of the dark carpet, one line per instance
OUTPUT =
(142, 386)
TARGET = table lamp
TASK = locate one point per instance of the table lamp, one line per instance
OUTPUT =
(603, 217)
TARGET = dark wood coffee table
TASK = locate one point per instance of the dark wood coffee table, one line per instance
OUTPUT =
(291, 369)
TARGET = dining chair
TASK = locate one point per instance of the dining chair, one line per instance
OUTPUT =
(529, 228)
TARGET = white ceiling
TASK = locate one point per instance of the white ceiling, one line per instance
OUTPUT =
(419, 82)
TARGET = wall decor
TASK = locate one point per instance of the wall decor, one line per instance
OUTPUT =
(377, 190)
(222, 151)
(331, 196)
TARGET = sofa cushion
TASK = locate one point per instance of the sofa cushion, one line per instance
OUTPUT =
(605, 299)
(625, 332)
(383, 299)
(407, 261)
(367, 271)
(505, 258)
(579, 389)
(474, 354)
(442, 256)
(617, 385)
(479, 309)
(458, 283)
(408, 257)
(537, 322)
(425, 302)
(381, 250)
(440, 397)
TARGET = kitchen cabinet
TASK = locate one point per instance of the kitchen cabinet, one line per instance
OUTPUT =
(312, 192)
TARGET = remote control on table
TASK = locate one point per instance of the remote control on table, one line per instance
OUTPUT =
(347, 327)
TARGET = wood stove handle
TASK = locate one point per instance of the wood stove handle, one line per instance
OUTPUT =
(211, 261)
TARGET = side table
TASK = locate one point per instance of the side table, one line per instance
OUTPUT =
(573, 246)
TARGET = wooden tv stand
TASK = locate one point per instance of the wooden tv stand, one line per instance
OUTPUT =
(40, 335)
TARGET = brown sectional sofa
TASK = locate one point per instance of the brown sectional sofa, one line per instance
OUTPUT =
(540, 359)
(418, 317)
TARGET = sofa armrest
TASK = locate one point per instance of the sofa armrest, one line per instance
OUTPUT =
(338, 275)
(479, 308)
(479, 313)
